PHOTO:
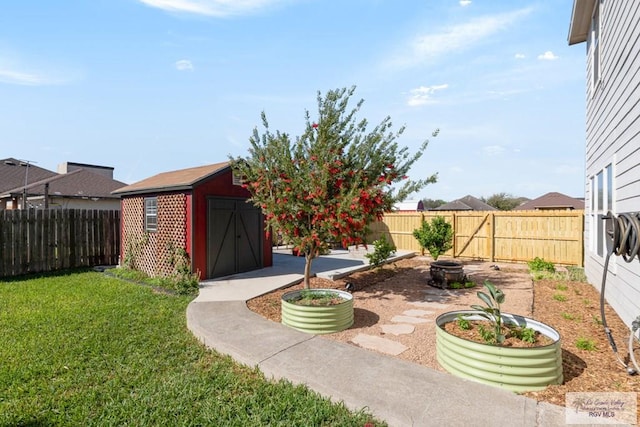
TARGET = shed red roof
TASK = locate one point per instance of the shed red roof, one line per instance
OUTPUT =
(182, 179)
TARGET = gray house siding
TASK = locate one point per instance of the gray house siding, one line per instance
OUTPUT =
(613, 138)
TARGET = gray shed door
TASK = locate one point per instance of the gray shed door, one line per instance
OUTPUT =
(234, 237)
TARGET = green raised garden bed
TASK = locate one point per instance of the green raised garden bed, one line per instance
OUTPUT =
(317, 319)
(513, 368)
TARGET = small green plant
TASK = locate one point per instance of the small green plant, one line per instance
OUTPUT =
(539, 264)
(524, 334)
(463, 322)
(317, 298)
(487, 335)
(465, 285)
(586, 344)
(597, 320)
(182, 280)
(134, 250)
(568, 316)
(561, 287)
(576, 274)
(492, 298)
(559, 297)
(435, 236)
(382, 249)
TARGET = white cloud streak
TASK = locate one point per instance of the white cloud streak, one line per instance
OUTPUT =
(455, 38)
(520, 56)
(215, 8)
(493, 150)
(423, 95)
(464, 3)
(547, 56)
(20, 78)
(184, 65)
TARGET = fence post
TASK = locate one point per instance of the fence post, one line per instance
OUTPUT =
(491, 244)
(453, 228)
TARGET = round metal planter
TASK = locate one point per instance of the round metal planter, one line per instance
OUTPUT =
(515, 369)
(317, 319)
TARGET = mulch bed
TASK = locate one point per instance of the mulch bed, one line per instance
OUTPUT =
(571, 307)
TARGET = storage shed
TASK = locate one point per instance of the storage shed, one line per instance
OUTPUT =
(201, 210)
(409, 206)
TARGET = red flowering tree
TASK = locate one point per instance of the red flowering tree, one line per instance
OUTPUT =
(329, 183)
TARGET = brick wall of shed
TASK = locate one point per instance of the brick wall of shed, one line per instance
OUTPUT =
(153, 252)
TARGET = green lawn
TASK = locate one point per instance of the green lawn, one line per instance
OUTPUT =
(87, 349)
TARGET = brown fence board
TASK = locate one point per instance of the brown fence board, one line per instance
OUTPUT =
(509, 236)
(33, 241)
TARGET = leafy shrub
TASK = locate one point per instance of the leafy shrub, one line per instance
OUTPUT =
(183, 281)
(539, 264)
(382, 249)
(435, 236)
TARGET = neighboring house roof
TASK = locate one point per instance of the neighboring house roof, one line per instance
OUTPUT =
(552, 200)
(580, 21)
(466, 203)
(409, 205)
(13, 173)
(183, 179)
(80, 183)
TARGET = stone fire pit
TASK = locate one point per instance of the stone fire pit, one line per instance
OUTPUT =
(443, 273)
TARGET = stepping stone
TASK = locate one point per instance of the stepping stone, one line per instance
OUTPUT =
(409, 319)
(429, 304)
(400, 329)
(417, 313)
(382, 345)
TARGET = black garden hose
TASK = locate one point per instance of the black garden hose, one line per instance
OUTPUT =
(622, 239)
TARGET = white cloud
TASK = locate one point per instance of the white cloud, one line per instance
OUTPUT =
(455, 38)
(493, 150)
(520, 56)
(422, 95)
(464, 3)
(18, 78)
(217, 8)
(184, 65)
(547, 56)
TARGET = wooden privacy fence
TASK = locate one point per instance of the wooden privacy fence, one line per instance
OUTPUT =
(40, 240)
(508, 236)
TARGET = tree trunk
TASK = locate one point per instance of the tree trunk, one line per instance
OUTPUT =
(307, 270)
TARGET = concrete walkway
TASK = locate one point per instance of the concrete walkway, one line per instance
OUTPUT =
(399, 392)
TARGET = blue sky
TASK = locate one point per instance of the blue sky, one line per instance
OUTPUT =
(148, 86)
